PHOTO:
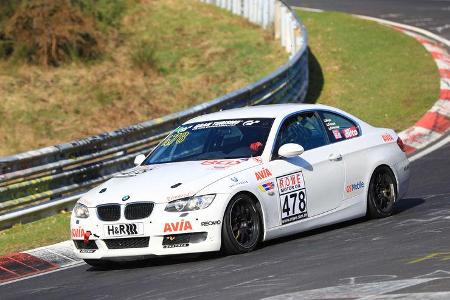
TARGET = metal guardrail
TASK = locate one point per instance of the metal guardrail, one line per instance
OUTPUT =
(36, 183)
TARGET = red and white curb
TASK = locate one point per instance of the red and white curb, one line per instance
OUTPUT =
(17, 266)
(435, 123)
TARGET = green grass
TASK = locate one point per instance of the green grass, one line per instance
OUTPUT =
(160, 56)
(376, 73)
(32, 235)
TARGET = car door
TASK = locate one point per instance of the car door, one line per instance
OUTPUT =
(312, 183)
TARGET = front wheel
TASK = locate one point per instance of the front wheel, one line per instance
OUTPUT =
(241, 229)
(382, 193)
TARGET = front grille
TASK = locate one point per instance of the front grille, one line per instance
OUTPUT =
(108, 212)
(79, 244)
(140, 242)
(134, 211)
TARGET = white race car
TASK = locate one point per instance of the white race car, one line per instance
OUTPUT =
(231, 179)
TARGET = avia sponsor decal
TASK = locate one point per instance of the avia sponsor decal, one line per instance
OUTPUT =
(210, 223)
(266, 187)
(350, 132)
(387, 138)
(354, 186)
(337, 134)
(77, 232)
(177, 226)
(292, 196)
(263, 174)
(180, 196)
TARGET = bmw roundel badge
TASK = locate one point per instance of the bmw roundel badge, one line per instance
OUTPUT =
(125, 198)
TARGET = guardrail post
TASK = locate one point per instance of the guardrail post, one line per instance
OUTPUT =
(277, 20)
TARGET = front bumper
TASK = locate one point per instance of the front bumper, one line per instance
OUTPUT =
(162, 233)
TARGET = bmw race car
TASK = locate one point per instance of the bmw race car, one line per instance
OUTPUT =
(231, 179)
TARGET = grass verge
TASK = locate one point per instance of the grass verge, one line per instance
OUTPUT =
(378, 74)
(164, 56)
(36, 234)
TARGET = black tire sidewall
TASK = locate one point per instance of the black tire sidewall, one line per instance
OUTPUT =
(372, 210)
(229, 243)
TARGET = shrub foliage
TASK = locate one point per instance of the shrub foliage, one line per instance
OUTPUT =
(50, 32)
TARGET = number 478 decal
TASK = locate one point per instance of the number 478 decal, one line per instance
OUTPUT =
(292, 193)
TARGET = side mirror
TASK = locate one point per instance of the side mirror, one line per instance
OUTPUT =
(139, 159)
(290, 150)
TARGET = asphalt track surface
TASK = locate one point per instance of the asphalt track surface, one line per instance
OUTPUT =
(432, 15)
(406, 256)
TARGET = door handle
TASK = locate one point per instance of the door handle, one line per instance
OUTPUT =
(335, 157)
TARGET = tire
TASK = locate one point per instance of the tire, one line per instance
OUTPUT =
(241, 229)
(99, 263)
(382, 193)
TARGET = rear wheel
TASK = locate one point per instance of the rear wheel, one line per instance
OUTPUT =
(382, 193)
(241, 229)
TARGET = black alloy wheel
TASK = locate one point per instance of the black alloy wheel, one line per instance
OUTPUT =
(241, 230)
(382, 193)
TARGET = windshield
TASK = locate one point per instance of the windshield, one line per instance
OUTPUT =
(220, 139)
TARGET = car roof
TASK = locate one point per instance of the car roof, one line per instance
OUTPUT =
(260, 111)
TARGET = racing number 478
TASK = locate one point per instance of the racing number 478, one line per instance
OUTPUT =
(300, 196)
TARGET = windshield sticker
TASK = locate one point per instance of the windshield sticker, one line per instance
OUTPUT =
(182, 129)
(176, 138)
(250, 122)
(226, 123)
(256, 146)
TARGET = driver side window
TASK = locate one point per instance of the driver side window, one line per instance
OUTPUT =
(303, 129)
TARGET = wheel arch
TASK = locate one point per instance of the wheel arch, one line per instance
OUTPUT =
(258, 205)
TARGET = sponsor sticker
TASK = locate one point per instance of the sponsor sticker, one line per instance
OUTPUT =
(350, 132)
(77, 232)
(210, 223)
(266, 187)
(87, 250)
(177, 226)
(292, 196)
(387, 138)
(225, 123)
(176, 138)
(117, 230)
(354, 186)
(337, 134)
(263, 174)
(250, 122)
(180, 196)
(225, 162)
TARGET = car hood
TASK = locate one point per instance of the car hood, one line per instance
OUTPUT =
(162, 183)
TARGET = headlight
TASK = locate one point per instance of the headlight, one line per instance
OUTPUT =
(191, 203)
(81, 211)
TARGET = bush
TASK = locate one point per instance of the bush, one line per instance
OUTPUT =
(50, 32)
(143, 55)
(106, 12)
